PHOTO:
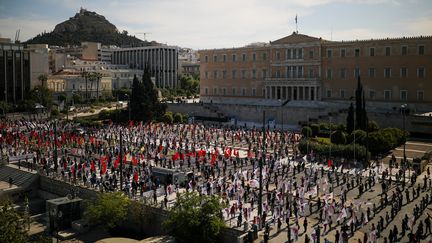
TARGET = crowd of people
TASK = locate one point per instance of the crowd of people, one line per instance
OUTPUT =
(297, 189)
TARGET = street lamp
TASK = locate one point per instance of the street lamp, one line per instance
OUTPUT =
(282, 105)
(403, 109)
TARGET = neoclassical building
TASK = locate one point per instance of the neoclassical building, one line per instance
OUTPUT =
(301, 67)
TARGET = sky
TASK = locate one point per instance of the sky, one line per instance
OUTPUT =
(208, 24)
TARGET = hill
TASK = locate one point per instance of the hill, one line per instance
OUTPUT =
(86, 26)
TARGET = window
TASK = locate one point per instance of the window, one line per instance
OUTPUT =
(329, 53)
(371, 72)
(294, 53)
(387, 94)
(403, 72)
(329, 73)
(421, 72)
(215, 58)
(311, 73)
(224, 91)
(372, 51)
(277, 74)
(253, 73)
(206, 74)
(206, 91)
(73, 86)
(420, 95)
(387, 51)
(277, 55)
(224, 58)
(289, 54)
(311, 54)
(300, 71)
(264, 56)
(329, 93)
(233, 91)
(300, 53)
(342, 93)
(356, 72)
(233, 74)
(243, 74)
(371, 94)
(404, 94)
(253, 92)
(357, 52)
(343, 73)
(224, 74)
(264, 73)
(404, 50)
(243, 92)
(214, 74)
(234, 57)
(343, 52)
(253, 56)
(421, 50)
(206, 58)
(387, 72)
(214, 90)
(243, 57)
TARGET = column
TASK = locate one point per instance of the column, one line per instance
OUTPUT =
(304, 92)
(292, 92)
(310, 92)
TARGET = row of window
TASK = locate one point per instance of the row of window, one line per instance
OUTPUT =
(243, 74)
(387, 72)
(371, 53)
(234, 91)
(403, 94)
(244, 57)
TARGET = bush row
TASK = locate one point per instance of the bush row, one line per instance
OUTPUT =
(335, 150)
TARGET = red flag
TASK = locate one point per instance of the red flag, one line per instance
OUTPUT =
(136, 176)
(134, 161)
(175, 156)
(124, 159)
(329, 162)
(92, 139)
(104, 167)
(131, 123)
(213, 160)
(160, 148)
(92, 166)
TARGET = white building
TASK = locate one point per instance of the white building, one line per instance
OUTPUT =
(162, 61)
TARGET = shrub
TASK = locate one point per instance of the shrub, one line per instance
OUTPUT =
(359, 135)
(178, 118)
(306, 131)
(315, 129)
(373, 126)
(168, 117)
(336, 150)
(338, 137)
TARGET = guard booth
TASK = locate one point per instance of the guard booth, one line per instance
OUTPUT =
(62, 211)
(169, 176)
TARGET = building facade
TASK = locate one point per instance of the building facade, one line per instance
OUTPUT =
(301, 67)
(15, 81)
(162, 61)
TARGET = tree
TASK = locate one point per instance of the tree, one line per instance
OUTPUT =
(306, 131)
(350, 119)
(43, 78)
(195, 218)
(168, 117)
(12, 226)
(359, 103)
(178, 118)
(315, 129)
(338, 137)
(42, 95)
(110, 209)
(145, 104)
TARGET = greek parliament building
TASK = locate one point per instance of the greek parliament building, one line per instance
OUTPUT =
(162, 60)
(305, 68)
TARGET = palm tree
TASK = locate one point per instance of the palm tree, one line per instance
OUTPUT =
(43, 79)
(98, 77)
(85, 75)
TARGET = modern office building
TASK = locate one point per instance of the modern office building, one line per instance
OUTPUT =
(162, 60)
(14, 72)
(301, 67)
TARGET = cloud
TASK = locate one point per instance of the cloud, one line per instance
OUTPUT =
(418, 26)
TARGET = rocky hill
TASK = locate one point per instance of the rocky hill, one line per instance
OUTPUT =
(86, 26)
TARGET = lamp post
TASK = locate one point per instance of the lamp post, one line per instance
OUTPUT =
(403, 109)
(282, 105)
(260, 169)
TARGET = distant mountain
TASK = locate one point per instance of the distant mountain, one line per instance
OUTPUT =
(87, 26)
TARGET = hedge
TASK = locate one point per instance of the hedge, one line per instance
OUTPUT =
(344, 151)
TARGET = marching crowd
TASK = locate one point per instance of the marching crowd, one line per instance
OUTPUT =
(225, 161)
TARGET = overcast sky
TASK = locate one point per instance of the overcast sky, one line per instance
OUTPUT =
(203, 24)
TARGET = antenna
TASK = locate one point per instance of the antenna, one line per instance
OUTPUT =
(144, 34)
(17, 33)
(296, 24)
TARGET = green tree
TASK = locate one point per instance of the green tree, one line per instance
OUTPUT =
(350, 119)
(195, 218)
(315, 129)
(168, 117)
(43, 78)
(41, 95)
(12, 224)
(178, 118)
(306, 131)
(373, 126)
(359, 135)
(110, 209)
(338, 137)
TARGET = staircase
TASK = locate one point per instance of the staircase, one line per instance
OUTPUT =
(23, 181)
